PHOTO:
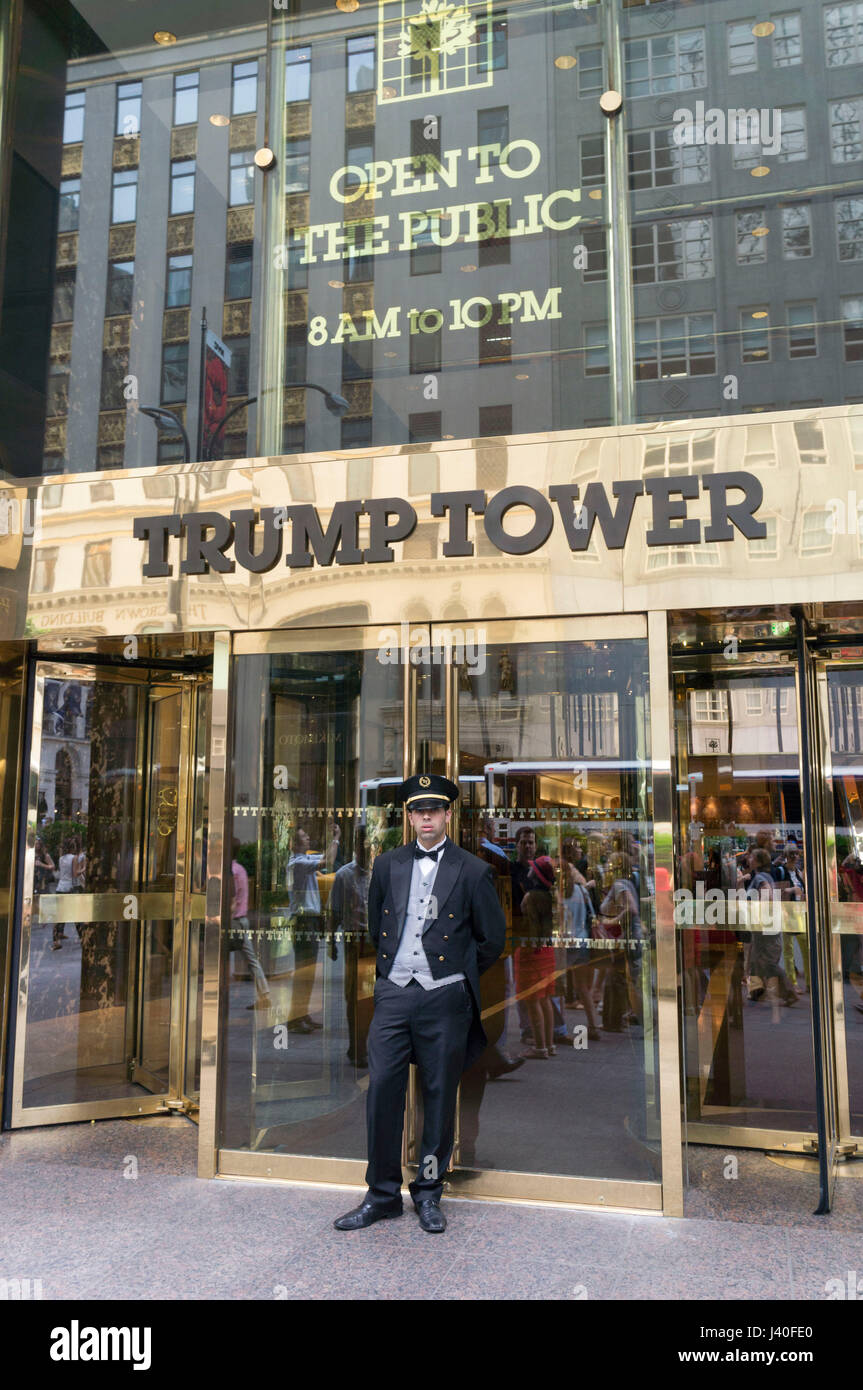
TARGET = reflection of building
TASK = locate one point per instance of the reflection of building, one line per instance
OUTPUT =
(698, 280)
(478, 196)
(64, 773)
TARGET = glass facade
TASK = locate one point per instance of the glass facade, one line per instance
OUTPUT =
(476, 223)
(538, 252)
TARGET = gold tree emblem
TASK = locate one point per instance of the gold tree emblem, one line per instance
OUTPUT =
(440, 28)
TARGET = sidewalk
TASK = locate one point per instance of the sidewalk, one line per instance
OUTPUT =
(70, 1217)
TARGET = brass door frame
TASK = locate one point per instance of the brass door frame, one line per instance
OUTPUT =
(832, 915)
(92, 907)
(502, 1185)
(790, 1140)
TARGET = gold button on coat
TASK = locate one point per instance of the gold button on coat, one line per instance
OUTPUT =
(385, 955)
(384, 933)
(440, 957)
(446, 938)
(452, 914)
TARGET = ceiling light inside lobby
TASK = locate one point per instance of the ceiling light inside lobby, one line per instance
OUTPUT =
(219, 119)
(759, 171)
(347, 6)
(763, 29)
(164, 37)
(565, 62)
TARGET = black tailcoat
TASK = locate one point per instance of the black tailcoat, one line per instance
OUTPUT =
(467, 933)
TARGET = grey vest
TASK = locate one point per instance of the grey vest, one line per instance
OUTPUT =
(410, 962)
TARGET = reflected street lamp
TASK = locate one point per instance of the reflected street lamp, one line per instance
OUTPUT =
(166, 419)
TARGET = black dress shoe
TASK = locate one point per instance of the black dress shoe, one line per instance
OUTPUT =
(366, 1214)
(431, 1217)
(511, 1064)
(299, 1025)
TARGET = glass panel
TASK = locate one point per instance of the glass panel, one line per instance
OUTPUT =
(845, 708)
(79, 1024)
(553, 743)
(197, 865)
(317, 752)
(160, 860)
(741, 899)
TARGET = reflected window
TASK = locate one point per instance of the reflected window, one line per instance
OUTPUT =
(360, 152)
(787, 41)
(596, 349)
(425, 254)
(64, 296)
(755, 334)
(178, 287)
(185, 98)
(657, 161)
(679, 345)
(672, 251)
(297, 166)
(168, 450)
(238, 372)
(244, 88)
(425, 351)
(491, 41)
(843, 34)
(73, 118)
(796, 231)
(118, 299)
(357, 434)
(242, 178)
(591, 151)
(424, 427)
(128, 108)
(750, 236)
(298, 74)
(238, 271)
(749, 151)
(296, 344)
(175, 372)
(97, 565)
(361, 63)
(492, 128)
(44, 569)
(182, 187)
(849, 228)
(595, 243)
(294, 437)
(742, 50)
(766, 547)
(357, 361)
(817, 534)
(852, 328)
(802, 333)
(710, 705)
(590, 72)
(665, 63)
(495, 339)
(845, 130)
(124, 195)
(495, 420)
(70, 205)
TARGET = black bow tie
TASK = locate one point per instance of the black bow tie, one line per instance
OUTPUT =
(428, 853)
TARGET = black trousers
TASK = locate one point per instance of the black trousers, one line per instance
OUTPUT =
(429, 1027)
